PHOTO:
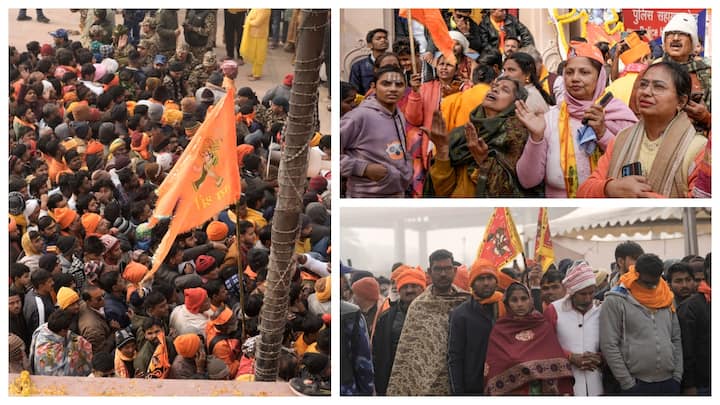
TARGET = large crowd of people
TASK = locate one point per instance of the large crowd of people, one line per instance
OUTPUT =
(575, 329)
(497, 123)
(95, 126)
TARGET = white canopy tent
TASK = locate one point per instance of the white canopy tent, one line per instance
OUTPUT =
(593, 233)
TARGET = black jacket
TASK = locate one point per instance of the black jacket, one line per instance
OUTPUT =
(384, 347)
(474, 37)
(490, 38)
(694, 314)
(470, 326)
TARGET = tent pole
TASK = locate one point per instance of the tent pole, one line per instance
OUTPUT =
(690, 229)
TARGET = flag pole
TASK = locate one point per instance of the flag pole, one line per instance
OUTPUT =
(240, 269)
(412, 42)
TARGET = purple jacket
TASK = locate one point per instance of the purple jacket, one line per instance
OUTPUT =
(371, 134)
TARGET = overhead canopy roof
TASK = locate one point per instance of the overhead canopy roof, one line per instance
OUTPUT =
(420, 218)
(598, 221)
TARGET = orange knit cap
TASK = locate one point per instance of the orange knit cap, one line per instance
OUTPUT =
(134, 272)
(187, 345)
(93, 147)
(481, 267)
(585, 49)
(64, 217)
(217, 231)
(90, 222)
(410, 275)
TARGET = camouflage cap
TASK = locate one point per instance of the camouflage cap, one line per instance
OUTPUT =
(151, 21)
(209, 59)
(119, 30)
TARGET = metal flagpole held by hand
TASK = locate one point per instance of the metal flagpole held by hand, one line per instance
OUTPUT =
(412, 42)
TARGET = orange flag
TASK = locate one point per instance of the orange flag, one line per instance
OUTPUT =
(501, 242)
(435, 24)
(205, 178)
(544, 254)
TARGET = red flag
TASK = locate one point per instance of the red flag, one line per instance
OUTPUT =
(205, 178)
(501, 242)
(435, 24)
(544, 254)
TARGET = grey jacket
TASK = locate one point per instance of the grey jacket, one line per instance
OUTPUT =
(639, 343)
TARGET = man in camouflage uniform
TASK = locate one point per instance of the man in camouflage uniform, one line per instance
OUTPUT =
(106, 26)
(147, 50)
(276, 114)
(201, 73)
(183, 55)
(198, 28)
(122, 44)
(168, 31)
(148, 31)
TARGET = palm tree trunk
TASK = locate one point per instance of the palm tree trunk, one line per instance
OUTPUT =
(292, 181)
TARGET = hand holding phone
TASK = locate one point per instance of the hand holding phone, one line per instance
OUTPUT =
(604, 100)
(631, 169)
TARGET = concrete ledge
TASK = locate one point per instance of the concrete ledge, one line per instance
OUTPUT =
(88, 386)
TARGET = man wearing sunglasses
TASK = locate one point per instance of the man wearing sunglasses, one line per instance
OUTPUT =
(640, 332)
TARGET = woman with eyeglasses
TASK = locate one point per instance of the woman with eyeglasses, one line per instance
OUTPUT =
(658, 156)
(566, 142)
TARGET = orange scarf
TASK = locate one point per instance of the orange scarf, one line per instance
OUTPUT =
(654, 298)
(246, 118)
(497, 297)
(704, 288)
(120, 368)
(159, 366)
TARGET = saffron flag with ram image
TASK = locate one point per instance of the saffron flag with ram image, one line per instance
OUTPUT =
(204, 180)
(501, 243)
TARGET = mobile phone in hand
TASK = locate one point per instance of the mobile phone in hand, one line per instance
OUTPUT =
(602, 103)
(631, 169)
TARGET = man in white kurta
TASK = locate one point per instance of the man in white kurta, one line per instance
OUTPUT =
(576, 318)
(191, 317)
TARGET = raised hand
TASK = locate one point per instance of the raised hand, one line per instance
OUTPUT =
(438, 135)
(477, 146)
(535, 123)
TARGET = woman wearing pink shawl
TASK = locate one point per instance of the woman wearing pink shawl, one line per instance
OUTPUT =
(562, 150)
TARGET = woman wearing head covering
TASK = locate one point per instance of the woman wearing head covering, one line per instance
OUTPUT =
(523, 355)
(478, 159)
(562, 151)
(423, 101)
(33, 246)
(661, 149)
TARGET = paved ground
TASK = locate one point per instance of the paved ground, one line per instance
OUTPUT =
(277, 64)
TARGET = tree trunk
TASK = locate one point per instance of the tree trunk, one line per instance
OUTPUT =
(292, 181)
